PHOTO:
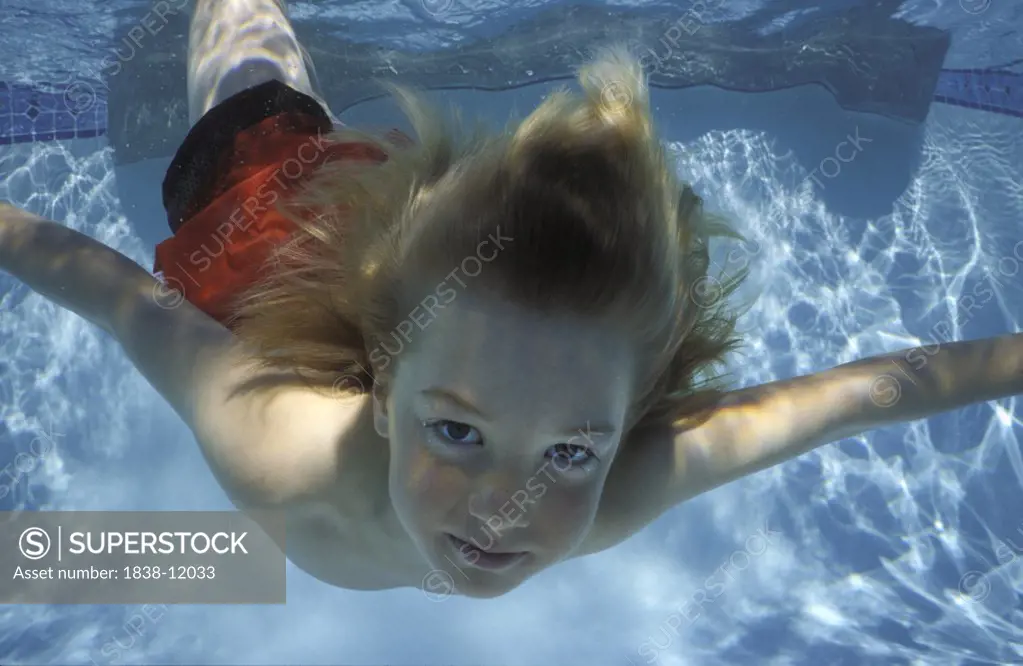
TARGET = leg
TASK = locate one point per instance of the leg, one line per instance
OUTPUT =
(237, 44)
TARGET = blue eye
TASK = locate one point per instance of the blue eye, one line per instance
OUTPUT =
(571, 454)
(455, 432)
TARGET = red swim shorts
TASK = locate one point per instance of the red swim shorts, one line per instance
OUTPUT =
(220, 191)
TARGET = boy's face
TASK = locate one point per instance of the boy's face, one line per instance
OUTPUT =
(502, 427)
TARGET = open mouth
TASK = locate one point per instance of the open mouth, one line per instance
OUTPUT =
(483, 559)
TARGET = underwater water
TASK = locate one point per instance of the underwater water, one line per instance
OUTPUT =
(867, 234)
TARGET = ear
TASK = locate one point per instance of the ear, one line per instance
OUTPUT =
(381, 412)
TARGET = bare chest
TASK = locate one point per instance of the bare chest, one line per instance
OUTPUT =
(348, 552)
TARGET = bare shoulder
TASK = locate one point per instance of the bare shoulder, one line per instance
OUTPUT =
(271, 440)
(633, 491)
(741, 433)
(654, 471)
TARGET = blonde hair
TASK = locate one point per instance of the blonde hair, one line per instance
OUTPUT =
(599, 225)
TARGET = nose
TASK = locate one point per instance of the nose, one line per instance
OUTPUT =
(496, 508)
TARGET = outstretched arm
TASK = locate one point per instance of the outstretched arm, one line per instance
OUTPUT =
(69, 268)
(114, 293)
(755, 428)
(249, 439)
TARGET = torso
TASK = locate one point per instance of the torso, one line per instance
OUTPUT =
(347, 534)
(348, 554)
